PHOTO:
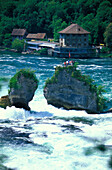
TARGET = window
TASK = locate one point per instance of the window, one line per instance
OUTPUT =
(74, 44)
(79, 45)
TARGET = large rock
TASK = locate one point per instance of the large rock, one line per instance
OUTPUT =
(63, 90)
(22, 92)
(4, 101)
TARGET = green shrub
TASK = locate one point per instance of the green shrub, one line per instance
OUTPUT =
(7, 40)
(42, 51)
(28, 73)
(76, 65)
(18, 45)
(104, 50)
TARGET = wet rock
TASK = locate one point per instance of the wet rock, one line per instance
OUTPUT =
(110, 162)
(70, 128)
(64, 90)
(101, 147)
(22, 88)
(108, 111)
(3, 158)
(4, 101)
(12, 136)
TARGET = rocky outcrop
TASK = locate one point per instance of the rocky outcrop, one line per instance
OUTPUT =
(23, 93)
(67, 91)
(22, 88)
(4, 101)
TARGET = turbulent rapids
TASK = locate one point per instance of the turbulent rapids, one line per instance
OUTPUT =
(50, 138)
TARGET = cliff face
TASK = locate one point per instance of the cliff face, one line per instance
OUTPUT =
(70, 93)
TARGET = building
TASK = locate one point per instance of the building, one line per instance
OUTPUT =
(19, 33)
(74, 36)
(38, 36)
(37, 45)
(74, 40)
(33, 45)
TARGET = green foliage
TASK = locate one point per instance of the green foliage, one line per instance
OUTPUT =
(108, 36)
(18, 45)
(28, 73)
(51, 16)
(52, 80)
(42, 51)
(7, 40)
(104, 50)
(58, 25)
(1, 39)
(76, 65)
(101, 101)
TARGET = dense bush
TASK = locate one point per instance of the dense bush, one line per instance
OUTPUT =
(108, 36)
(18, 45)
(7, 40)
(42, 51)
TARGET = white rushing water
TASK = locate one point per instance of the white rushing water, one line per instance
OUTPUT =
(50, 138)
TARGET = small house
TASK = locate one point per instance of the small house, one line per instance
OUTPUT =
(38, 36)
(19, 33)
(74, 36)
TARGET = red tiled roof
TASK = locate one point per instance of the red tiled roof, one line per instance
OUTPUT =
(41, 35)
(20, 32)
(74, 29)
(36, 36)
(32, 36)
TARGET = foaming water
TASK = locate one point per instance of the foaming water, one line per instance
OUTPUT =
(50, 138)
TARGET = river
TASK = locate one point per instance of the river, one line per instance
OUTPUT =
(48, 138)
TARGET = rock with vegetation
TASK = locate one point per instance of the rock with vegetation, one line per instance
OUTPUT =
(22, 88)
(69, 89)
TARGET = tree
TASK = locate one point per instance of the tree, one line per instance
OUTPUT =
(108, 36)
(7, 40)
(58, 25)
(18, 45)
(1, 38)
